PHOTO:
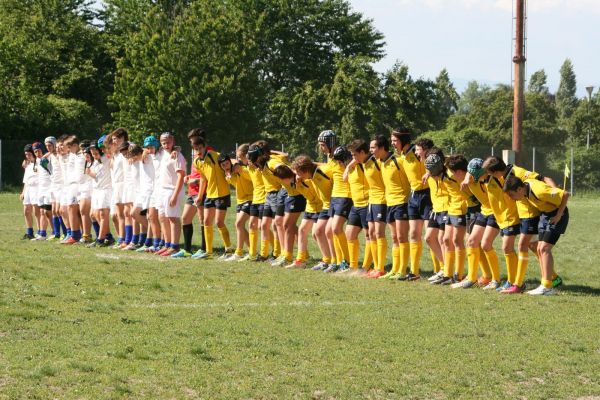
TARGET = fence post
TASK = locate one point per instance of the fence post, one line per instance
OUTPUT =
(572, 170)
(492, 151)
(533, 162)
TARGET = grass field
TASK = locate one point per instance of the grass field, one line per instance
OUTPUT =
(81, 323)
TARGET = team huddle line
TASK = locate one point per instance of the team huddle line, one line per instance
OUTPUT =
(388, 184)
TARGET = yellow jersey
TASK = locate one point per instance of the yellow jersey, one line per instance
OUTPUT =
(479, 190)
(335, 170)
(272, 183)
(258, 194)
(414, 169)
(542, 196)
(307, 189)
(525, 209)
(359, 186)
(439, 195)
(323, 185)
(457, 199)
(375, 181)
(217, 185)
(243, 185)
(397, 187)
(504, 208)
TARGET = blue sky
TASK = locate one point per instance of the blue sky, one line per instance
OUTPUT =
(473, 38)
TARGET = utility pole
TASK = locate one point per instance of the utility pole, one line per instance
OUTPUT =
(519, 84)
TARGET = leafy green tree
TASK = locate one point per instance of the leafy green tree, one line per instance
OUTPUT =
(473, 92)
(446, 102)
(538, 82)
(566, 98)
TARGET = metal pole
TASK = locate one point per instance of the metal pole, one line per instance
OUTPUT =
(572, 170)
(492, 150)
(519, 88)
(533, 162)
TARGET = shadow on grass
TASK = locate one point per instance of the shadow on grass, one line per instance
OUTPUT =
(580, 290)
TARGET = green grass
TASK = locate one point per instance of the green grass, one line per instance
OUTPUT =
(80, 323)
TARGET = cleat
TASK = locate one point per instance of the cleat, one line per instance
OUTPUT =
(435, 276)
(93, 244)
(344, 267)
(298, 264)
(116, 246)
(331, 268)
(447, 281)
(142, 249)
(505, 285)
(320, 266)
(400, 277)
(52, 238)
(514, 289)
(205, 256)
(161, 251)
(493, 285)
(70, 240)
(542, 291)
(233, 257)
(247, 257)
(103, 244)
(86, 240)
(199, 253)
(412, 277)
(151, 249)
(464, 284)
(38, 238)
(130, 247)
(110, 241)
(556, 282)
(168, 253)
(376, 274)
(279, 262)
(389, 275)
(27, 237)
(259, 258)
(483, 281)
(181, 254)
(122, 246)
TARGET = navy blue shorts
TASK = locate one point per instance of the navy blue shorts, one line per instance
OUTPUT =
(272, 208)
(340, 206)
(486, 220)
(311, 216)
(220, 203)
(419, 205)
(456, 220)
(358, 217)
(551, 233)
(295, 204)
(511, 230)
(397, 213)
(529, 226)
(324, 214)
(256, 210)
(437, 220)
(377, 213)
(244, 207)
(281, 196)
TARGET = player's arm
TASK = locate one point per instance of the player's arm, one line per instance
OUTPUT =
(561, 208)
(201, 190)
(465, 183)
(348, 169)
(550, 182)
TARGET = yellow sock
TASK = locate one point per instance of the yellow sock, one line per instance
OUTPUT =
(327, 260)
(209, 237)
(521, 268)
(473, 256)
(239, 252)
(461, 255)
(252, 238)
(434, 261)
(547, 284)
(404, 257)
(354, 249)
(554, 275)
(271, 241)
(492, 259)
(302, 256)
(337, 256)
(224, 232)
(289, 256)
(449, 263)
(343, 242)
(381, 253)
(264, 248)
(485, 266)
(374, 253)
(416, 249)
(395, 259)
(368, 257)
(276, 248)
(511, 266)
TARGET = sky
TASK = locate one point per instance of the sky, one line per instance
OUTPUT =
(472, 39)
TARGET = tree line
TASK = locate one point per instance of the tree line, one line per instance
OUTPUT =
(276, 69)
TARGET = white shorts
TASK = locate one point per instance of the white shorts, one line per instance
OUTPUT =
(101, 198)
(85, 190)
(70, 195)
(156, 200)
(30, 196)
(168, 211)
(44, 197)
(117, 193)
(55, 193)
(142, 201)
(130, 194)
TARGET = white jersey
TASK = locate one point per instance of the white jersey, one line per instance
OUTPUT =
(103, 176)
(147, 173)
(30, 178)
(43, 175)
(132, 174)
(84, 179)
(117, 168)
(74, 169)
(57, 170)
(169, 168)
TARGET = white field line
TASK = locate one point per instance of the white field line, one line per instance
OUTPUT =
(256, 305)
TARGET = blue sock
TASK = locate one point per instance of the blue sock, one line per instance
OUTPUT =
(63, 226)
(128, 233)
(120, 240)
(168, 245)
(69, 232)
(109, 236)
(175, 246)
(76, 234)
(43, 233)
(96, 226)
(135, 239)
(148, 242)
(156, 243)
(142, 239)
(29, 231)
(56, 226)
(162, 243)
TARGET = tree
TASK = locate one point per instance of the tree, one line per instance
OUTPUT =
(446, 102)
(473, 92)
(566, 99)
(538, 81)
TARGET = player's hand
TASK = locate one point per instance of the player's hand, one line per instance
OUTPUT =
(554, 220)
(173, 201)
(87, 171)
(425, 177)
(186, 179)
(465, 183)
(173, 155)
(21, 196)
